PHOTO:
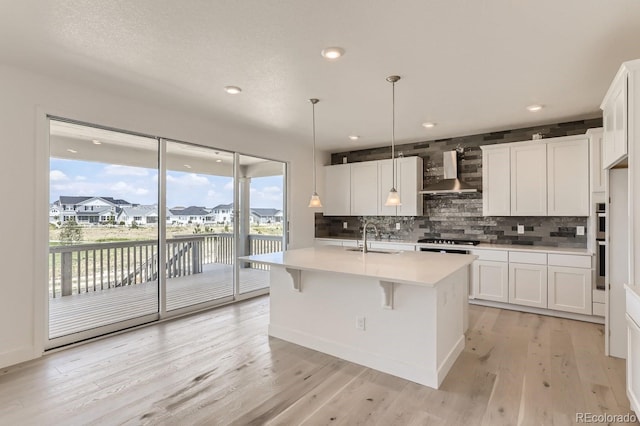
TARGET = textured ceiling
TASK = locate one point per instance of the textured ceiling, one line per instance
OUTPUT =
(470, 66)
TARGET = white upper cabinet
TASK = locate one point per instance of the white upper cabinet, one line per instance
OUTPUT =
(364, 183)
(385, 181)
(529, 180)
(595, 156)
(496, 181)
(409, 183)
(336, 201)
(536, 178)
(568, 178)
(614, 115)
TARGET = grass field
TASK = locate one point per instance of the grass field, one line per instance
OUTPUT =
(114, 233)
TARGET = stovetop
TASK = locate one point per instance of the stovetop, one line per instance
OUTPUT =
(449, 242)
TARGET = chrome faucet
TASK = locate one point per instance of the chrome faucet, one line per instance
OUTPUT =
(364, 235)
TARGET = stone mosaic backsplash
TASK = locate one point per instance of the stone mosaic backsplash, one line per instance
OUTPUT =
(459, 216)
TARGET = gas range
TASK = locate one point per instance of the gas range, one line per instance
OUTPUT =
(449, 242)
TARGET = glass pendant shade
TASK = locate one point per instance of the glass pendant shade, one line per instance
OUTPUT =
(315, 200)
(393, 199)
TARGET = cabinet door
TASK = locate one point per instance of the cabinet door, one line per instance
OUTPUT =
(597, 172)
(528, 285)
(384, 185)
(490, 280)
(570, 289)
(529, 180)
(364, 196)
(409, 182)
(568, 178)
(336, 200)
(615, 125)
(496, 182)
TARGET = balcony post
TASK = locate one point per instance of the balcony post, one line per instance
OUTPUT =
(244, 219)
(65, 273)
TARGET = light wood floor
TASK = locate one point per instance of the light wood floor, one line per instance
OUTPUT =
(220, 367)
(79, 312)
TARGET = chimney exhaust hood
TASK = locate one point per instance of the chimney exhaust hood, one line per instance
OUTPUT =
(450, 184)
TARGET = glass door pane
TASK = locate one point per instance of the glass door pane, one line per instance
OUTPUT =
(260, 218)
(200, 244)
(103, 230)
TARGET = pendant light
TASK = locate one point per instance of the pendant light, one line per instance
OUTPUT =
(315, 198)
(393, 199)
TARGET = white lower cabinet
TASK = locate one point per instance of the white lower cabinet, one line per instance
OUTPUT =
(570, 289)
(528, 284)
(633, 364)
(491, 280)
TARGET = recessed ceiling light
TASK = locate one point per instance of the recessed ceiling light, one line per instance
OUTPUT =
(428, 125)
(73, 151)
(534, 107)
(96, 142)
(187, 166)
(354, 137)
(218, 161)
(332, 52)
(232, 90)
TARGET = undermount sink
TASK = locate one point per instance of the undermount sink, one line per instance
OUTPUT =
(374, 250)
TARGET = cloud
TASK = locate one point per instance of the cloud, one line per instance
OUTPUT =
(229, 185)
(118, 170)
(57, 176)
(272, 189)
(123, 188)
(187, 179)
(81, 178)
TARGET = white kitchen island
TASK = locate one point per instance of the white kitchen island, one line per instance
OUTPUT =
(402, 313)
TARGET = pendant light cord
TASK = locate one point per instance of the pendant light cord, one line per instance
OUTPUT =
(313, 109)
(393, 133)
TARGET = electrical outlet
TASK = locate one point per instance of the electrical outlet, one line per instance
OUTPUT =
(579, 230)
(360, 323)
(344, 160)
(344, 225)
(398, 226)
(520, 229)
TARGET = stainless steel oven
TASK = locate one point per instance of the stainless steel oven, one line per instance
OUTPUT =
(601, 221)
(601, 259)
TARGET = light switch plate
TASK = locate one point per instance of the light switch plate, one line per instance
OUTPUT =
(344, 225)
(579, 230)
(398, 226)
(520, 229)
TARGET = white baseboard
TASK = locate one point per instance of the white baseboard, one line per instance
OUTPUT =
(540, 311)
(17, 356)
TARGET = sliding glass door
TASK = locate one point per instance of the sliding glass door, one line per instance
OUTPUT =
(103, 230)
(261, 215)
(199, 225)
(144, 228)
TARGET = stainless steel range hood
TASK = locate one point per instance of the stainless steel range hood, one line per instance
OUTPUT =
(450, 184)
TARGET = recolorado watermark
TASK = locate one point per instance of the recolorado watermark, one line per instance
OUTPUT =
(606, 418)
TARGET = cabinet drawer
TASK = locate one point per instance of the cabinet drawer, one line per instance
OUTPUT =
(528, 257)
(493, 255)
(571, 260)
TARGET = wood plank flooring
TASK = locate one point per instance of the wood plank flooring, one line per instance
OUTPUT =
(79, 312)
(220, 367)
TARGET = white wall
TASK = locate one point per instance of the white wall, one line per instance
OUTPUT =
(25, 99)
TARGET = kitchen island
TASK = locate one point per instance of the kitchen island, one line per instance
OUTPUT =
(403, 313)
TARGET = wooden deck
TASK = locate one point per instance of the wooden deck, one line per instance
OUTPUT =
(72, 314)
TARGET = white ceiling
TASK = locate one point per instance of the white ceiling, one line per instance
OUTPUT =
(470, 66)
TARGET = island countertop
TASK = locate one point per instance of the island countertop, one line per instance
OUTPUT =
(408, 267)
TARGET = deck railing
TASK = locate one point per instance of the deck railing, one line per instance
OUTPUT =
(84, 268)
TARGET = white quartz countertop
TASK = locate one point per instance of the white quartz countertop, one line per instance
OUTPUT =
(481, 246)
(408, 267)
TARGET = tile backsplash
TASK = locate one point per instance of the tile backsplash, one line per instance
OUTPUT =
(459, 216)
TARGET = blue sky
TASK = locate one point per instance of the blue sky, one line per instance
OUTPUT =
(139, 185)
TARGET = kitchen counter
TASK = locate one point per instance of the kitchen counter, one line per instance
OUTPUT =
(403, 313)
(407, 267)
